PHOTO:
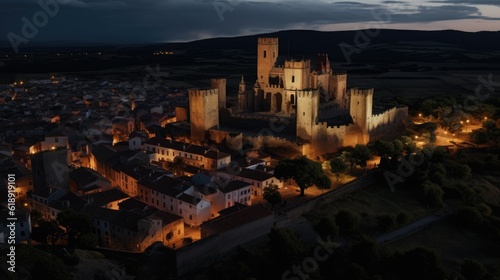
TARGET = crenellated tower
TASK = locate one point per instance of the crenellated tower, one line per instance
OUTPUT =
(361, 104)
(220, 84)
(297, 74)
(307, 113)
(267, 54)
(203, 112)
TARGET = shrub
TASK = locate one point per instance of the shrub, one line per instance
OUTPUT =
(71, 260)
(472, 269)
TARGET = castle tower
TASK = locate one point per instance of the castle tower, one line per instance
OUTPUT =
(361, 104)
(338, 90)
(203, 112)
(307, 112)
(242, 100)
(267, 54)
(323, 64)
(297, 74)
(220, 84)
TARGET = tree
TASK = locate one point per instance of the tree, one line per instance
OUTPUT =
(323, 183)
(489, 125)
(433, 194)
(47, 231)
(76, 224)
(384, 148)
(418, 263)
(361, 154)
(326, 227)
(386, 222)
(177, 165)
(36, 216)
(272, 194)
(304, 171)
(347, 221)
(337, 166)
(472, 269)
(286, 245)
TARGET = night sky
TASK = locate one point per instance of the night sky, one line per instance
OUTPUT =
(146, 21)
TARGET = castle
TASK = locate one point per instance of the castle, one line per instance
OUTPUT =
(328, 115)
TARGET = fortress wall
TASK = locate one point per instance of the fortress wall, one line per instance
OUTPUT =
(387, 123)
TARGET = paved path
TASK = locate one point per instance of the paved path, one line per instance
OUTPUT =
(410, 229)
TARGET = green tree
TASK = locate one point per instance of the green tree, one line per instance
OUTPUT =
(433, 194)
(419, 263)
(286, 244)
(361, 154)
(386, 222)
(326, 227)
(75, 224)
(36, 216)
(176, 166)
(347, 221)
(323, 183)
(472, 269)
(337, 166)
(304, 171)
(384, 148)
(47, 231)
(402, 218)
(489, 125)
(272, 195)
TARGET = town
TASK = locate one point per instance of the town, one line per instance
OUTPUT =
(126, 166)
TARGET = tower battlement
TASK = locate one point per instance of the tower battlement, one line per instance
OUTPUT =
(298, 64)
(361, 92)
(195, 92)
(340, 77)
(268, 40)
(307, 93)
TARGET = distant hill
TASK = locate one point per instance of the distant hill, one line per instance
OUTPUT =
(388, 47)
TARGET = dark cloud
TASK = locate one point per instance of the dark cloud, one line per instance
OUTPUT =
(469, 2)
(134, 21)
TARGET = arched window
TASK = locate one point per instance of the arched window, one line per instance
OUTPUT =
(292, 99)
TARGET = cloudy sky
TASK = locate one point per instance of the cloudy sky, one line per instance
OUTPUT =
(138, 21)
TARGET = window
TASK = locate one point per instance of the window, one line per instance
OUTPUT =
(21, 224)
(293, 79)
(265, 53)
(228, 196)
(189, 206)
(190, 217)
(180, 211)
(171, 208)
(22, 233)
(56, 140)
(179, 232)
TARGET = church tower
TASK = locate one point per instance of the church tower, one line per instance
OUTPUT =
(267, 54)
